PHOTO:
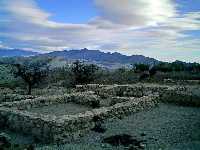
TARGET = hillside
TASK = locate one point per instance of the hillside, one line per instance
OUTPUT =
(16, 52)
(107, 60)
(98, 57)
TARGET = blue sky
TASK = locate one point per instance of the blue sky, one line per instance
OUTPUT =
(73, 11)
(168, 30)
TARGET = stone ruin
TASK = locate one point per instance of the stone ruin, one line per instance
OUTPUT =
(107, 102)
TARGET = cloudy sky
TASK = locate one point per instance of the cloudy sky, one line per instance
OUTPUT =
(164, 29)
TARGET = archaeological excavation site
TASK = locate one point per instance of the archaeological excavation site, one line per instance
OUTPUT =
(68, 117)
(99, 74)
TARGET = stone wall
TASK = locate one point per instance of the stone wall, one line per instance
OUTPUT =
(179, 94)
(7, 97)
(137, 90)
(68, 127)
(122, 100)
(89, 87)
(84, 98)
(182, 95)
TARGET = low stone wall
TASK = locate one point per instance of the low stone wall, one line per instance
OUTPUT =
(112, 94)
(122, 101)
(179, 94)
(185, 96)
(6, 97)
(137, 90)
(68, 127)
(89, 87)
(85, 98)
(115, 100)
(40, 126)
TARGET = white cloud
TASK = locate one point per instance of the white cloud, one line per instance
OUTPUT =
(136, 12)
(149, 27)
(189, 21)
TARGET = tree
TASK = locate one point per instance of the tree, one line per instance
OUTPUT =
(83, 73)
(178, 66)
(193, 67)
(164, 67)
(31, 72)
(141, 67)
(152, 71)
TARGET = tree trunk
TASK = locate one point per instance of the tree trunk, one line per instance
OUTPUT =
(29, 88)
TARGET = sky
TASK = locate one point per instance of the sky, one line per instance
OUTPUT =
(167, 30)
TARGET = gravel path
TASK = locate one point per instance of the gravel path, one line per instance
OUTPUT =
(164, 127)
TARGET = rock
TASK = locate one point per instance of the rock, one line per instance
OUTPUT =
(143, 134)
(123, 140)
(98, 128)
(98, 125)
(142, 146)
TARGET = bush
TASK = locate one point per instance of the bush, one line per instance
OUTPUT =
(83, 73)
(141, 67)
(118, 76)
(7, 78)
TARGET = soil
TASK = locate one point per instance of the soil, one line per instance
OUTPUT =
(60, 109)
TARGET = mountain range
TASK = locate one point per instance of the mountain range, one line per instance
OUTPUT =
(16, 53)
(109, 60)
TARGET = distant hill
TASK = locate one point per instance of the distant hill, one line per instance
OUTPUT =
(105, 59)
(16, 52)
